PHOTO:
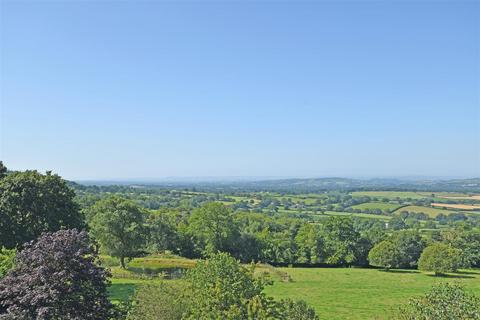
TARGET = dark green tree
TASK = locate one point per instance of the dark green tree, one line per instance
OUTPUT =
(32, 203)
(410, 245)
(213, 229)
(119, 226)
(440, 258)
(384, 254)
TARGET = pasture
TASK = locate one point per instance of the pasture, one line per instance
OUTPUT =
(335, 293)
(354, 293)
(431, 212)
(358, 215)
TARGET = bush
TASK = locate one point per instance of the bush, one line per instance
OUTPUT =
(443, 302)
(440, 258)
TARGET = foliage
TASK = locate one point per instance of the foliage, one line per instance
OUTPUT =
(309, 244)
(222, 289)
(443, 302)
(343, 244)
(440, 258)
(51, 276)
(409, 244)
(3, 170)
(297, 310)
(163, 233)
(384, 254)
(32, 203)
(160, 301)
(119, 225)
(7, 260)
(468, 241)
(212, 228)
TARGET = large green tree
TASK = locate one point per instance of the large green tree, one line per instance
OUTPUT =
(440, 258)
(212, 228)
(309, 244)
(343, 244)
(384, 254)
(410, 245)
(119, 226)
(32, 203)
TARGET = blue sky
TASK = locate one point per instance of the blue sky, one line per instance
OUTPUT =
(122, 90)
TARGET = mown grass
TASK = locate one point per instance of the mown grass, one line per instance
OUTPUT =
(354, 293)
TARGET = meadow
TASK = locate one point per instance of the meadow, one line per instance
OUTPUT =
(356, 293)
(429, 211)
(335, 293)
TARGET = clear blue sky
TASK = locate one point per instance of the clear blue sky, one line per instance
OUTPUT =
(118, 90)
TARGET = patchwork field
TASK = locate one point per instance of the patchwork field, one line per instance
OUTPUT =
(349, 293)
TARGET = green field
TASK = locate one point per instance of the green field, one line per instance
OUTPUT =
(377, 205)
(338, 293)
(358, 215)
(389, 194)
(341, 293)
(431, 212)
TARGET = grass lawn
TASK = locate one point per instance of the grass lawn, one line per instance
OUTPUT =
(354, 293)
(377, 205)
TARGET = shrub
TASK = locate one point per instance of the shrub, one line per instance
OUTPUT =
(443, 302)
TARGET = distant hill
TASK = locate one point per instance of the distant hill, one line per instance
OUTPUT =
(299, 185)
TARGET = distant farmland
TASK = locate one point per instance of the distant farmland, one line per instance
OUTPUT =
(389, 194)
(377, 205)
(431, 212)
(456, 206)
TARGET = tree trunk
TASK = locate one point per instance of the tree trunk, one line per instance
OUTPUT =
(122, 262)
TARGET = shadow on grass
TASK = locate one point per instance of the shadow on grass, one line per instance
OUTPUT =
(450, 276)
(469, 272)
(166, 273)
(121, 291)
(399, 271)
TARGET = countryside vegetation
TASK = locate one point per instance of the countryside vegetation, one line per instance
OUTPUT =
(300, 249)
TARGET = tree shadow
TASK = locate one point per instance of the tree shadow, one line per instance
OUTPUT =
(450, 276)
(121, 291)
(399, 271)
(469, 272)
